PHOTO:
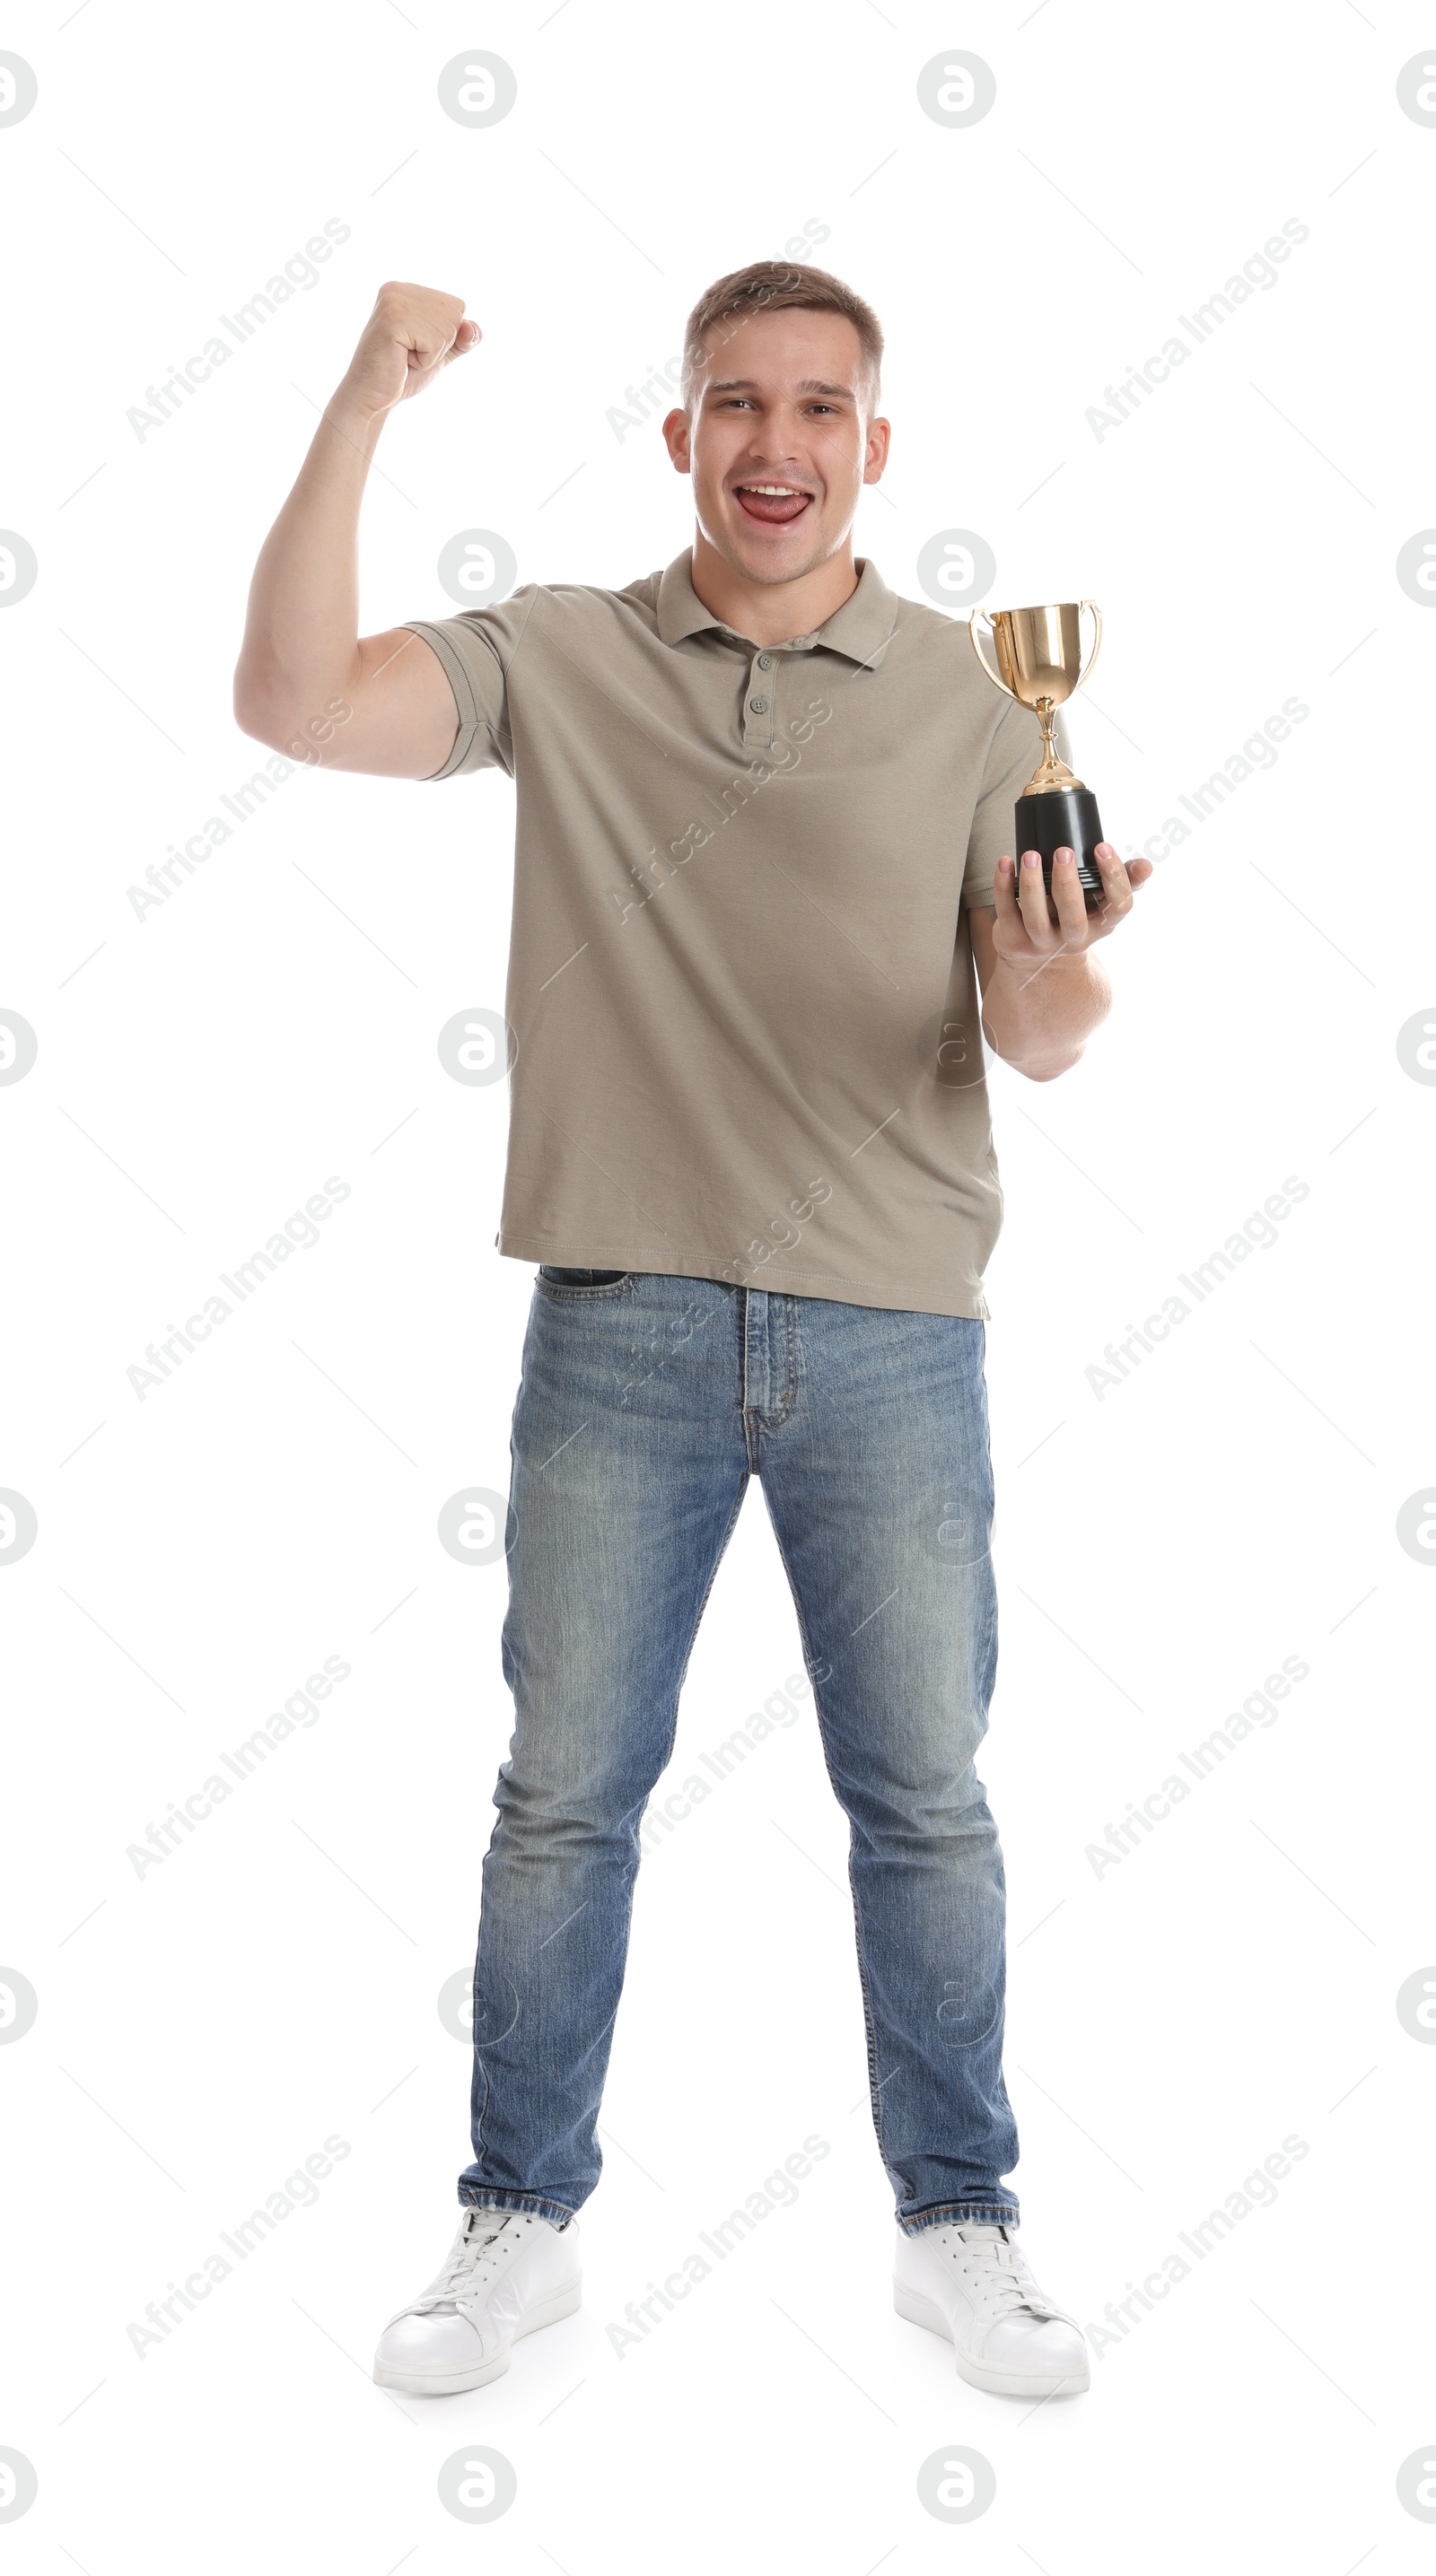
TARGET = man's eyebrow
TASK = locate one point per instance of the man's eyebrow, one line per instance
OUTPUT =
(807, 385)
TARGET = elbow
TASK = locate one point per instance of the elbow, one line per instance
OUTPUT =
(258, 713)
(1047, 1068)
(251, 710)
(1034, 1064)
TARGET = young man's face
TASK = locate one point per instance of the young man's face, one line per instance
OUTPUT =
(782, 402)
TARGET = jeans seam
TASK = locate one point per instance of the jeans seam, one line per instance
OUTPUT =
(478, 2111)
(480, 2115)
(875, 2089)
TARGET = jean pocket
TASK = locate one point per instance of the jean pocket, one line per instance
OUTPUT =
(582, 1283)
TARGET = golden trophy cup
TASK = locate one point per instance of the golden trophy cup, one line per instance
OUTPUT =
(1039, 663)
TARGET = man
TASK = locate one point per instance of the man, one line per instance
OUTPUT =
(763, 809)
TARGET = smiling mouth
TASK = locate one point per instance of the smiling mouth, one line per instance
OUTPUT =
(773, 505)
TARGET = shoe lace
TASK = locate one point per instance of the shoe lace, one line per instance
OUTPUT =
(996, 2273)
(479, 2253)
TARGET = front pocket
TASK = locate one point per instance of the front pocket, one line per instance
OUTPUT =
(558, 1282)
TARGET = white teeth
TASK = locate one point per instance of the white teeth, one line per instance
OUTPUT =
(777, 491)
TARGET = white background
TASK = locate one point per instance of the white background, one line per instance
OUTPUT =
(203, 1069)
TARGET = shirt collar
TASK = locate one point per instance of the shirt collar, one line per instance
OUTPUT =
(860, 630)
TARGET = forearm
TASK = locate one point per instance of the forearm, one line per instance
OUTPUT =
(301, 640)
(1039, 1016)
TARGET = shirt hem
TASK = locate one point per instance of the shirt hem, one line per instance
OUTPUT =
(582, 1252)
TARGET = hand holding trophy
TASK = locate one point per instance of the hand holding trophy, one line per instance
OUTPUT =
(1039, 663)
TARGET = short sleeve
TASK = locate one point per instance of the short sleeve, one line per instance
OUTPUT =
(1015, 752)
(477, 651)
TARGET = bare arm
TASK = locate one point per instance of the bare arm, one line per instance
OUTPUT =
(1043, 992)
(307, 682)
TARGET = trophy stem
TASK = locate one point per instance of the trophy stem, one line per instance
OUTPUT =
(1053, 775)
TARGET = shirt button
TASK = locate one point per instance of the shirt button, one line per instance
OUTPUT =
(759, 706)
(765, 661)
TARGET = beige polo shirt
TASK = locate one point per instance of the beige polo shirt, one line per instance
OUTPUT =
(741, 984)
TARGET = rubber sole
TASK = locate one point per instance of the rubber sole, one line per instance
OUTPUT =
(920, 2311)
(451, 2383)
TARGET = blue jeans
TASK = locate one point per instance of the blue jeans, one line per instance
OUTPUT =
(646, 1404)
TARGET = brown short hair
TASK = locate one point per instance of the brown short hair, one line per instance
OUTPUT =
(778, 286)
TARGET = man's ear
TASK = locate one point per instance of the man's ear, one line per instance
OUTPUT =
(676, 434)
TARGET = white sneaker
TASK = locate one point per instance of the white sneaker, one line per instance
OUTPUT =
(508, 2272)
(973, 2284)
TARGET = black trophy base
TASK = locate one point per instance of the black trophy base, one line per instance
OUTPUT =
(1065, 818)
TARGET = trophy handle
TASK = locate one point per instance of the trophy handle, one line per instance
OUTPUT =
(1097, 636)
(995, 676)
